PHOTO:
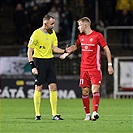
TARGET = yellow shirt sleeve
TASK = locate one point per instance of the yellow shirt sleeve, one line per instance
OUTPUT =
(33, 40)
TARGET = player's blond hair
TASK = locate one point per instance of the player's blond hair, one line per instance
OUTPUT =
(84, 19)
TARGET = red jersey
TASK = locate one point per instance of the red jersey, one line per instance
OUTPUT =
(90, 48)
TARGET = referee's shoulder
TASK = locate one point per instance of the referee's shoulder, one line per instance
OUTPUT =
(37, 30)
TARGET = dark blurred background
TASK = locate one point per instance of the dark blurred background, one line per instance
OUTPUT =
(19, 18)
(113, 18)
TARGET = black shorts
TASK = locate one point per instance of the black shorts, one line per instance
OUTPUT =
(46, 71)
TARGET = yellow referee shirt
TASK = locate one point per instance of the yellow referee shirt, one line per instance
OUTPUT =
(42, 43)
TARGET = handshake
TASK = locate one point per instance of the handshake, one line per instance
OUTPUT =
(68, 51)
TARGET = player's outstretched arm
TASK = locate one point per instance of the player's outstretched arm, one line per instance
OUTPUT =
(72, 48)
(68, 51)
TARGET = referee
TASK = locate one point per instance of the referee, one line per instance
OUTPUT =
(43, 42)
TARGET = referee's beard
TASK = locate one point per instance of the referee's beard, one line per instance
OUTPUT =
(50, 31)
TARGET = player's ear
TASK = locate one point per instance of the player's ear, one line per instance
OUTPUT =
(85, 25)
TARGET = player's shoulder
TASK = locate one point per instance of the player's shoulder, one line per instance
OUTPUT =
(81, 34)
(97, 33)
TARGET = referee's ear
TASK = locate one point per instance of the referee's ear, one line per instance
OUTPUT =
(45, 25)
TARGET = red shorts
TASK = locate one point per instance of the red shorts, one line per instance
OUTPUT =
(90, 77)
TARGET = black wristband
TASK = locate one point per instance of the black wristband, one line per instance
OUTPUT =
(32, 64)
(65, 51)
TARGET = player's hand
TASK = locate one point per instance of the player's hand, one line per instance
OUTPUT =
(110, 70)
(66, 49)
(35, 71)
(63, 56)
(70, 49)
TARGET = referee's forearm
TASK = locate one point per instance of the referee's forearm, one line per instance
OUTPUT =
(29, 54)
(30, 58)
(58, 50)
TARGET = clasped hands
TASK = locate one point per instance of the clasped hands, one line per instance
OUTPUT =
(68, 50)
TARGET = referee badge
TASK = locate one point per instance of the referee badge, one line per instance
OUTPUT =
(31, 41)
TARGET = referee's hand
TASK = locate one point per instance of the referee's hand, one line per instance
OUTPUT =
(63, 56)
(34, 71)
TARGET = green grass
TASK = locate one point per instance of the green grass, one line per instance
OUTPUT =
(17, 116)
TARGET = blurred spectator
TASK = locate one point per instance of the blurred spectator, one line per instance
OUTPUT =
(80, 8)
(107, 8)
(40, 2)
(131, 10)
(99, 26)
(54, 12)
(123, 4)
(23, 49)
(44, 7)
(66, 23)
(29, 4)
(90, 9)
(124, 12)
(20, 23)
(15, 2)
(34, 18)
(59, 5)
(124, 19)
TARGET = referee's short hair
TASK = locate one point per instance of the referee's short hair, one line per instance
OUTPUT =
(47, 17)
